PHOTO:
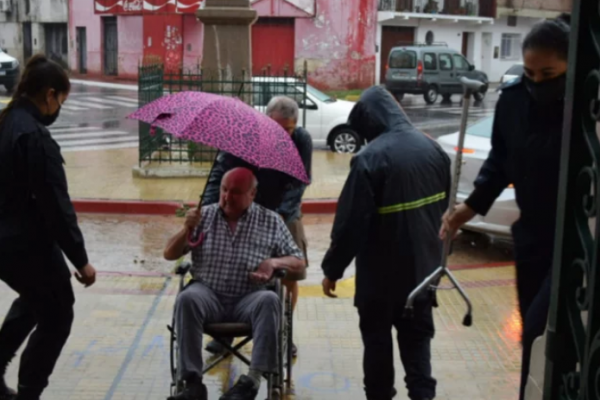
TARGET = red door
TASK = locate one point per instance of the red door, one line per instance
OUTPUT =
(392, 36)
(273, 46)
(163, 40)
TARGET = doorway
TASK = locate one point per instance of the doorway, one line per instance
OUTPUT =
(27, 41)
(82, 50)
(392, 36)
(468, 46)
(56, 43)
(486, 53)
(111, 46)
(279, 55)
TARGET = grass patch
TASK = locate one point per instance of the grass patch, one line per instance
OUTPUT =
(342, 94)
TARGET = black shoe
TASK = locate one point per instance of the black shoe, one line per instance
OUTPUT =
(217, 348)
(196, 391)
(244, 389)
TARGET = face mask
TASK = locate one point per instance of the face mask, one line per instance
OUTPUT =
(48, 120)
(547, 91)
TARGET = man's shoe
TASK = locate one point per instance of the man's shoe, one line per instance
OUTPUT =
(196, 391)
(244, 389)
(217, 348)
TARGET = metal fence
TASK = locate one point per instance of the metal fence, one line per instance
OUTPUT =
(257, 91)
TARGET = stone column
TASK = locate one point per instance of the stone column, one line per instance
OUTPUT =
(227, 44)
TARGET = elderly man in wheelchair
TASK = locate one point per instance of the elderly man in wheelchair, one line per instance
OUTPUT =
(243, 247)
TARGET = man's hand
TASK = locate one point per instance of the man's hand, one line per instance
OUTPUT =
(329, 288)
(264, 272)
(452, 222)
(86, 275)
(192, 219)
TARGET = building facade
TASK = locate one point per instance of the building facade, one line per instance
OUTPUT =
(28, 27)
(345, 44)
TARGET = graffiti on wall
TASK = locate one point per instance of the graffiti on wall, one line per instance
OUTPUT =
(146, 6)
(172, 43)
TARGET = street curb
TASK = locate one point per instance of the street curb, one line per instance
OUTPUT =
(135, 207)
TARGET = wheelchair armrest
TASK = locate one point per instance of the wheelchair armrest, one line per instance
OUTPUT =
(279, 274)
(183, 268)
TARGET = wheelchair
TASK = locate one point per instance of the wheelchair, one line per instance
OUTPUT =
(277, 383)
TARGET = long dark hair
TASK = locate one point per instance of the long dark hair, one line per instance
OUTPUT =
(550, 35)
(40, 74)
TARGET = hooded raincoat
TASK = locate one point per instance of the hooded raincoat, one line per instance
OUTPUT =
(389, 213)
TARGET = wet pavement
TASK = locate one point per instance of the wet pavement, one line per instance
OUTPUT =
(119, 347)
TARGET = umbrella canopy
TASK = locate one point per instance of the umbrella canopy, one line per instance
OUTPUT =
(227, 124)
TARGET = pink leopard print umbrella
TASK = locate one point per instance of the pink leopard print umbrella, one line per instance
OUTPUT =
(227, 124)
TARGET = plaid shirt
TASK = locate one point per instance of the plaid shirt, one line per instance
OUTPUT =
(224, 261)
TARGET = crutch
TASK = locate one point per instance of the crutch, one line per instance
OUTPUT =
(470, 87)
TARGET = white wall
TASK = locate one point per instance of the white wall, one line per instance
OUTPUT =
(10, 39)
(48, 11)
(451, 33)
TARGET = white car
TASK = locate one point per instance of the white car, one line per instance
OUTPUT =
(9, 71)
(326, 117)
(513, 72)
(504, 212)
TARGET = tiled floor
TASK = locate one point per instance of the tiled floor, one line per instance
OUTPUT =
(113, 178)
(119, 348)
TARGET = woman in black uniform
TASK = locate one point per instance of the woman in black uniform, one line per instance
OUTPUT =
(37, 224)
(526, 141)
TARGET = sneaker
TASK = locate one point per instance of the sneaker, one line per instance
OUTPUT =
(217, 348)
(193, 392)
(244, 389)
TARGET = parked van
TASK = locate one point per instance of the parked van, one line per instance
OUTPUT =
(430, 70)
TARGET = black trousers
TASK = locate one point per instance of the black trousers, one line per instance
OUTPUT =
(42, 280)
(414, 340)
(534, 274)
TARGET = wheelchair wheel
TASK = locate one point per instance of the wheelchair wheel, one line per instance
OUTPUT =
(176, 383)
(283, 344)
(290, 339)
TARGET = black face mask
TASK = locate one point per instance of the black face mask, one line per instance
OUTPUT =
(547, 91)
(48, 120)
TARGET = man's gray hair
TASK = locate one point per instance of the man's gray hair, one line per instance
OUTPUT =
(285, 106)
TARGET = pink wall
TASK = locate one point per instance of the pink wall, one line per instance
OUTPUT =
(193, 39)
(131, 44)
(338, 44)
(81, 14)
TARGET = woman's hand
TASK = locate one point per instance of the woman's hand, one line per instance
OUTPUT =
(452, 222)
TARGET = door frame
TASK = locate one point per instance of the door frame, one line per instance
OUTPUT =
(81, 48)
(109, 21)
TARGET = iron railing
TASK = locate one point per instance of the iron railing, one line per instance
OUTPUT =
(154, 82)
(448, 7)
(573, 346)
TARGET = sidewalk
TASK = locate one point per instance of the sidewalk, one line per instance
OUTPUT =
(107, 175)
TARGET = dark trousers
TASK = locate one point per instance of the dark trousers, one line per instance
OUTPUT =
(42, 280)
(533, 288)
(414, 339)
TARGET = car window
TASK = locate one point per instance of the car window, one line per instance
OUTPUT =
(460, 63)
(445, 62)
(285, 89)
(319, 95)
(429, 61)
(482, 128)
(406, 59)
(515, 70)
(260, 94)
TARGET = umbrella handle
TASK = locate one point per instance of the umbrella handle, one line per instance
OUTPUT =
(193, 244)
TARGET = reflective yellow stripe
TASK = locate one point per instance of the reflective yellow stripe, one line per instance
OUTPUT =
(412, 205)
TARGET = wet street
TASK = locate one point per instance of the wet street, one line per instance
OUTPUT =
(93, 118)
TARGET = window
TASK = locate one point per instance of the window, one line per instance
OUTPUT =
(403, 59)
(510, 48)
(460, 64)
(429, 61)
(482, 128)
(445, 62)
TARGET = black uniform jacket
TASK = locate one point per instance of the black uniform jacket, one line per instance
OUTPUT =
(389, 213)
(526, 141)
(35, 208)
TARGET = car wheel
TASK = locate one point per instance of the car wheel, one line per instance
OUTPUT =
(479, 96)
(345, 141)
(399, 96)
(431, 95)
(10, 87)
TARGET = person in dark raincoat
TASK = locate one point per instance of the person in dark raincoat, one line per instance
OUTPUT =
(388, 218)
(526, 142)
(37, 224)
